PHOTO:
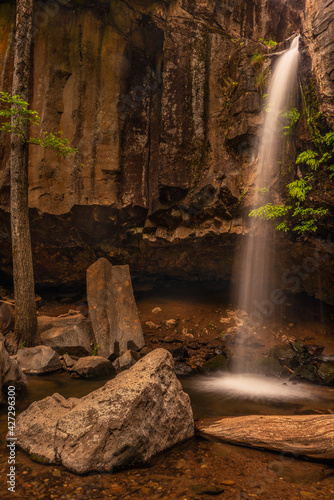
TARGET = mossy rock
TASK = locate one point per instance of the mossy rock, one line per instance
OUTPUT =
(218, 363)
(291, 356)
(269, 366)
(325, 374)
(305, 372)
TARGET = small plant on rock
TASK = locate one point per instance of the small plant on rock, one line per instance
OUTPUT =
(95, 350)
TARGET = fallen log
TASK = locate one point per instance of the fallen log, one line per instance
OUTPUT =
(305, 435)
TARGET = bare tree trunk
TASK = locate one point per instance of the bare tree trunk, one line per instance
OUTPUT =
(24, 287)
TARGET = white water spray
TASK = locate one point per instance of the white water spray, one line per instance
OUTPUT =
(257, 260)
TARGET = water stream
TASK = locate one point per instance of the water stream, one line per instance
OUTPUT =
(257, 259)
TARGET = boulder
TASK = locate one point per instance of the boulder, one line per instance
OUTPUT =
(68, 362)
(7, 318)
(218, 363)
(93, 367)
(38, 360)
(10, 373)
(112, 309)
(325, 374)
(138, 414)
(71, 335)
(128, 359)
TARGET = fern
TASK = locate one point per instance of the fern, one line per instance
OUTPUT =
(300, 188)
(309, 158)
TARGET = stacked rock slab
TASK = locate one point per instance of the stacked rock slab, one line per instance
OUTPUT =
(112, 309)
(138, 414)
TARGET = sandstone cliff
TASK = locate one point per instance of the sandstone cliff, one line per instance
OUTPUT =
(164, 105)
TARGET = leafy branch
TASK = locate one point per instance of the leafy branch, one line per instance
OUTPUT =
(18, 109)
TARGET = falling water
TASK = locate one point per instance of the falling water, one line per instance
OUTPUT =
(257, 262)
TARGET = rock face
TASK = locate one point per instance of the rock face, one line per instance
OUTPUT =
(140, 413)
(70, 335)
(10, 373)
(112, 309)
(38, 360)
(164, 105)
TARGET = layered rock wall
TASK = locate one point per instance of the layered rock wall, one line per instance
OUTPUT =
(164, 106)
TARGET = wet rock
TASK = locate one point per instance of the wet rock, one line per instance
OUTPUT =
(218, 363)
(179, 353)
(128, 359)
(71, 335)
(38, 360)
(288, 356)
(269, 366)
(325, 374)
(314, 350)
(307, 373)
(112, 309)
(10, 373)
(183, 370)
(140, 413)
(94, 367)
(207, 489)
(7, 318)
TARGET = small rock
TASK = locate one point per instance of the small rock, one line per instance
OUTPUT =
(94, 366)
(151, 325)
(182, 370)
(56, 473)
(171, 323)
(156, 310)
(168, 340)
(179, 353)
(38, 360)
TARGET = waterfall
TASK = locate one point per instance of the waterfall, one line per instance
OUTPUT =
(256, 263)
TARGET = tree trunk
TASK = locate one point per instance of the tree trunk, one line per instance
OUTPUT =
(306, 435)
(24, 288)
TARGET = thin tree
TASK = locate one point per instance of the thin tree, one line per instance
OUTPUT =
(24, 286)
(16, 109)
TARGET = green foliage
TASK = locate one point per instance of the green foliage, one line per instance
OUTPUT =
(269, 212)
(23, 344)
(291, 117)
(15, 106)
(300, 188)
(257, 59)
(270, 43)
(95, 350)
(261, 80)
(263, 190)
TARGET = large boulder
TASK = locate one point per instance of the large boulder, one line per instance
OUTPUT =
(38, 360)
(69, 334)
(112, 309)
(93, 367)
(10, 373)
(138, 414)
